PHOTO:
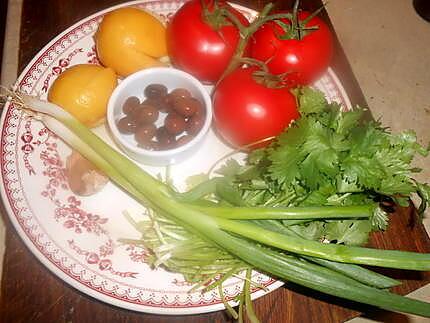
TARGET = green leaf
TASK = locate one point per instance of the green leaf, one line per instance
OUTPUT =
(194, 180)
(310, 171)
(311, 101)
(229, 168)
(248, 173)
(346, 121)
(423, 191)
(379, 219)
(396, 185)
(368, 139)
(357, 198)
(319, 196)
(229, 193)
(366, 172)
(347, 185)
(349, 232)
(311, 231)
(340, 142)
(401, 200)
(255, 156)
(285, 164)
(296, 134)
(393, 161)
(408, 140)
(256, 197)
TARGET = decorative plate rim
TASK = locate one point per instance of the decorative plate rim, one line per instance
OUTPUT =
(49, 262)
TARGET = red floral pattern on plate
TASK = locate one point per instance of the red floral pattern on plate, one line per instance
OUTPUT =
(70, 211)
(92, 56)
(137, 254)
(100, 259)
(62, 65)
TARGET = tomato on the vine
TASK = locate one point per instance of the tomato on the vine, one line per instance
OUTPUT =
(301, 48)
(201, 42)
(247, 110)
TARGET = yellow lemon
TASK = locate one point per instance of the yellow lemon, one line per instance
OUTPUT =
(130, 39)
(84, 91)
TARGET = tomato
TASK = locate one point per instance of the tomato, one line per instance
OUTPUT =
(305, 59)
(198, 48)
(246, 111)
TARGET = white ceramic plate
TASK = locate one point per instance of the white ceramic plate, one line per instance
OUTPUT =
(77, 237)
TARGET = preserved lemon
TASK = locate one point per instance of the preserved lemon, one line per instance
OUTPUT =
(84, 91)
(130, 39)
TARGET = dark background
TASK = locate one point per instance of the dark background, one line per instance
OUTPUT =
(3, 12)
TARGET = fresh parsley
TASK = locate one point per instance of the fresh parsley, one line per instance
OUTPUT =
(329, 157)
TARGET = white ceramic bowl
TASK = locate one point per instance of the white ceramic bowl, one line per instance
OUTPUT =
(134, 85)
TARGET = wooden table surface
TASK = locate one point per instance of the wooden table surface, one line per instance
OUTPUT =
(31, 293)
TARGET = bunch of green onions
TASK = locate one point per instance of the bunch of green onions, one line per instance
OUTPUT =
(328, 268)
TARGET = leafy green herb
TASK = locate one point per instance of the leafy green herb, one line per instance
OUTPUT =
(331, 157)
(348, 231)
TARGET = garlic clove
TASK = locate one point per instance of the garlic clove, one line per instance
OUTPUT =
(83, 177)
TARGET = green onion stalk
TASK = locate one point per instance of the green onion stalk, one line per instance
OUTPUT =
(274, 253)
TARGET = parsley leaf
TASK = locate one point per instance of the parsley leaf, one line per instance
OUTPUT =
(350, 232)
(311, 101)
(379, 219)
(230, 168)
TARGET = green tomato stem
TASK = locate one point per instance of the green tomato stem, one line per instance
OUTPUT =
(247, 32)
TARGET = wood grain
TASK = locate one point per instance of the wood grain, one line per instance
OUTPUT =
(31, 293)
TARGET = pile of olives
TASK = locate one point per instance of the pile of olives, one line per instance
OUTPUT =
(180, 114)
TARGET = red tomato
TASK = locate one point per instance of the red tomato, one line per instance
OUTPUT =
(305, 59)
(246, 111)
(196, 47)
